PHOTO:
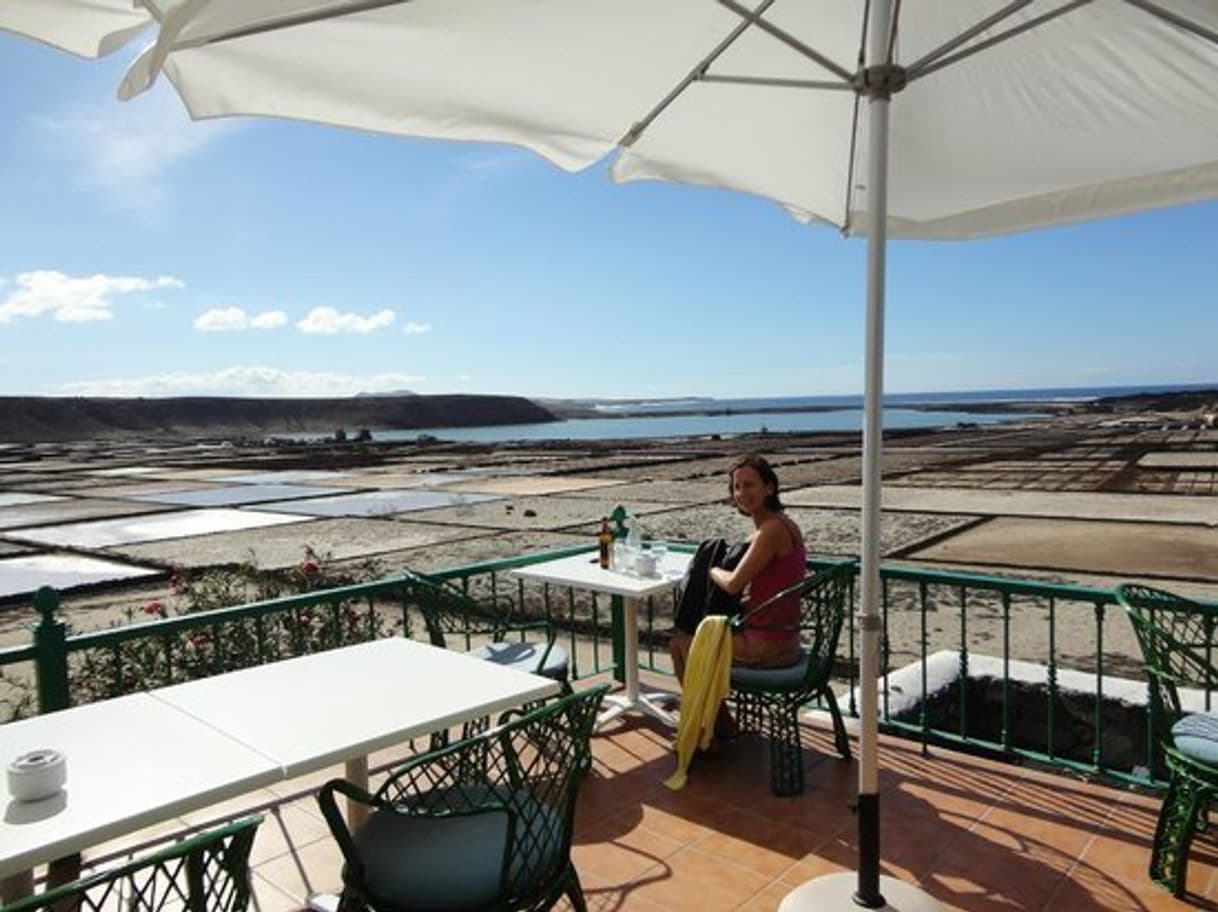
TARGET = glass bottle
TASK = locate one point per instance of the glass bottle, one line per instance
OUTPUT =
(604, 538)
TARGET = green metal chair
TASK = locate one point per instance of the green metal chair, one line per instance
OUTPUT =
(447, 611)
(204, 873)
(482, 824)
(768, 700)
(1178, 640)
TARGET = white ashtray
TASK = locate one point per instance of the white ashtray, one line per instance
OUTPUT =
(37, 774)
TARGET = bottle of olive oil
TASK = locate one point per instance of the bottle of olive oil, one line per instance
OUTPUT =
(604, 538)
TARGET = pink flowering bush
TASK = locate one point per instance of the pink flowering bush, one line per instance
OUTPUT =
(230, 643)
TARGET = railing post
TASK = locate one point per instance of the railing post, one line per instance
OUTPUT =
(617, 619)
(617, 622)
(51, 659)
(1097, 750)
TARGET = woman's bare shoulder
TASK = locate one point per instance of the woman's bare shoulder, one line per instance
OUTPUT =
(778, 529)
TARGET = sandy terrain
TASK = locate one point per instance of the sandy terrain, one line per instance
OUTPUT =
(1082, 498)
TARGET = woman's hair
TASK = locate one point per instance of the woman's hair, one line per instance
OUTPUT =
(762, 468)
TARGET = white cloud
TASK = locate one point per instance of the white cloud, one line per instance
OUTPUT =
(125, 151)
(221, 319)
(326, 321)
(234, 319)
(73, 299)
(244, 381)
(416, 329)
(269, 319)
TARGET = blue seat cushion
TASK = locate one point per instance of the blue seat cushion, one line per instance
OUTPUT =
(788, 677)
(526, 657)
(455, 861)
(1196, 736)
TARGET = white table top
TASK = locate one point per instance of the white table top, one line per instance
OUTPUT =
(310, 712)
(583, 571)
(140, 759)
(131, 762)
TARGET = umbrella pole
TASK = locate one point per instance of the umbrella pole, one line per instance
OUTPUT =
(878, 82)
(868, 893)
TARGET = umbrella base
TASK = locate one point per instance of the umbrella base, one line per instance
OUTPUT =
(836, 891)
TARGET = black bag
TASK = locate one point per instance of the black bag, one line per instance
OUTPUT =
(699, 594)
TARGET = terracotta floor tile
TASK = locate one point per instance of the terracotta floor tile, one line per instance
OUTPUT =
(269, 898)
(696, 882)
(283, 830)
(832, 857)
(769, 898)
(1002, 866)
(768, 847)
(979, 834)
(655, 816)
(1088, 888)
(314, 868)
(619, 858)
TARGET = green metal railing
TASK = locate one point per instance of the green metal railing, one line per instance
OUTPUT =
(1065, 629)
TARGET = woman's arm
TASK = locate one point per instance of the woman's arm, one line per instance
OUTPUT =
(762, 549)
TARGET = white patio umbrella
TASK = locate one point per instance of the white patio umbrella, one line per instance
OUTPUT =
(1005, 115)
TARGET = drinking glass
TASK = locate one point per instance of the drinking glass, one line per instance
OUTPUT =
(617, 557)
(659, 550)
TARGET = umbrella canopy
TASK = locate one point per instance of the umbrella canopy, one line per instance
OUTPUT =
(1015, 114)
(87, 28)
(1005, 115)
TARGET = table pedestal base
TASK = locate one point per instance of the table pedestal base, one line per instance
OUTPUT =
(646, 703)
(632, 700)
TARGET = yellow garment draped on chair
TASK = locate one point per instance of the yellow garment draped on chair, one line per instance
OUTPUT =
(708, 672)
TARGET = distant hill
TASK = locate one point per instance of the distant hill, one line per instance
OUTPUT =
(31, 419)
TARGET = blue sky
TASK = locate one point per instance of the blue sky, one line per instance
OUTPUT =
(142, 254)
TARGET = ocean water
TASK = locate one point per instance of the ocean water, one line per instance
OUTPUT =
(746, 416)
(667, 425)
(961, 398)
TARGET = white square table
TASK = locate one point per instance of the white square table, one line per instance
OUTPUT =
(313, 711)
(140, 759)
(583, 571)
(132, 762)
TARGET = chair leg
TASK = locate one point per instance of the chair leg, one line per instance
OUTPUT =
(575, 891)
(839, 727)
(1174, 832)
(786, 749)
(750, 712)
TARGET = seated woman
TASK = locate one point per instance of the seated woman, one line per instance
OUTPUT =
(776, 559)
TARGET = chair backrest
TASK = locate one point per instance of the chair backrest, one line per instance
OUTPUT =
(446, 610)
(208, 872)
(531, 766)
(1177, 637)
(823, 601)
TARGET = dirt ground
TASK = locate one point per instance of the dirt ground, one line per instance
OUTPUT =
(1131, 500)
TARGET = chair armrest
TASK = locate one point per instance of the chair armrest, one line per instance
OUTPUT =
(809, 584)
(336, 821)
(740, 621)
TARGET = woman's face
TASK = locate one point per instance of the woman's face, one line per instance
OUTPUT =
(748, 490)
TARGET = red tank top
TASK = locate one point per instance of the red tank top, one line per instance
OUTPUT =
(783, 571)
